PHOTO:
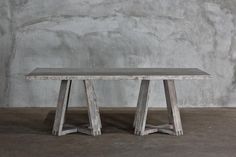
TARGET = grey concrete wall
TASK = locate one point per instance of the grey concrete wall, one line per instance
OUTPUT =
(6, 42)
(118, 33)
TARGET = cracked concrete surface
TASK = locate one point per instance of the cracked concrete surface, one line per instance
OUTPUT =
(118, 33)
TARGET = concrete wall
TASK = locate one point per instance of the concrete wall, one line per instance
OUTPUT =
(6, 43)
(118, 33)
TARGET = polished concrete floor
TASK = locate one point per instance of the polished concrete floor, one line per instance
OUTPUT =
(26, 132)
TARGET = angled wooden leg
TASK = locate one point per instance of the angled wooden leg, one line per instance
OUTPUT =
(137, 113)
(93, 111)
(173, 110)
(68, 97)
(61, 109)
(142, 108)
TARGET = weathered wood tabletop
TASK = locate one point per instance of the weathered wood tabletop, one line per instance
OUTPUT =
(116, 73)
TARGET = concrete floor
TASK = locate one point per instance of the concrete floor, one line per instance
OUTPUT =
(26, 132)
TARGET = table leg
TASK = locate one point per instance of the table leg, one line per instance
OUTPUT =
(173, 110)
(68, 98)
(142, 108)
(137, 113)
(93, 110)
(61, 109)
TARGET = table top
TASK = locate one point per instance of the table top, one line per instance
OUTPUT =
(116, 74)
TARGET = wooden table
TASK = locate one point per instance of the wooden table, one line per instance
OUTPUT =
(168, 75)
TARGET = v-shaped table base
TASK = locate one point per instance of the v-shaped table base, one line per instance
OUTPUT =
(94, 127)
(174, 127)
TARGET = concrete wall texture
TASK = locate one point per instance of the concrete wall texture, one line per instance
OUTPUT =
(118, 33)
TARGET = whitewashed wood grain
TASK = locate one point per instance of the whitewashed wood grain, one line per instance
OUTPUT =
(142, 108)
(61, 108)
(93, 110)
(117, 74)
(173, 110)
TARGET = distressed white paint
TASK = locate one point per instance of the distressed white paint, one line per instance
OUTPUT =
(116, 74)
